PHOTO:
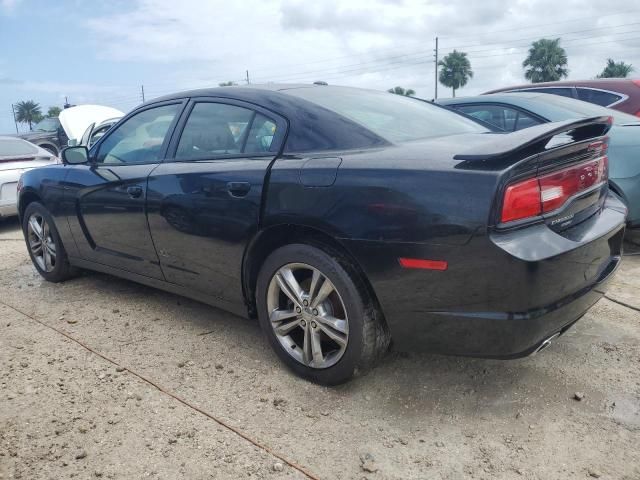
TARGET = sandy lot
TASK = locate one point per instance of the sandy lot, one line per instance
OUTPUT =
(103, 378)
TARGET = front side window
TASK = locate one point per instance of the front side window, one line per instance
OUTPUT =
(218, 129)
(140, 138)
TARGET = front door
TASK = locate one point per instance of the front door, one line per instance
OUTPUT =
(109, 221)
(204, 203)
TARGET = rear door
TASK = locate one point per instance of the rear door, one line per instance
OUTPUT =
(204, 202)
(109, 223)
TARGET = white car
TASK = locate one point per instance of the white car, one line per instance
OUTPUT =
(85, 124)
(17, 156)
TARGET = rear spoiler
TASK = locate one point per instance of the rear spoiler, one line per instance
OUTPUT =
(533, 140)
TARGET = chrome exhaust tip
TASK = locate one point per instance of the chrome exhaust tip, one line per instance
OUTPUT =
(545, 343)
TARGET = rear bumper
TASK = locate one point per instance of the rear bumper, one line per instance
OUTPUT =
(502, 295)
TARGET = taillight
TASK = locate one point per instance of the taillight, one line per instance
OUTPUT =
(546, 193)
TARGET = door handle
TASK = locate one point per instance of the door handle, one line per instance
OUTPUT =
(135, 191)
(238, 189)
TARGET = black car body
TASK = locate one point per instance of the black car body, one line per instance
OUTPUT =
(411, 211)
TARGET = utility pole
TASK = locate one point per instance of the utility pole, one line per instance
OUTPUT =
(142, 92)
(248, 82)
(13, 109)
(436, 55)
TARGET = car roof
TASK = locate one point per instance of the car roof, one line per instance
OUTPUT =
(238, 92)
(603, 83)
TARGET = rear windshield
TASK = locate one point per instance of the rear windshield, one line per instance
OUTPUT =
(584, 109)
(393, 117)
(14, 147)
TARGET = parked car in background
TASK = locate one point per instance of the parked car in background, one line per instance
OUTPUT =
(515, 111)
(80, 122)
(47, 134)
(341, 218)
(54, 134)
(95, 131)
(16, 157)
(621, 94)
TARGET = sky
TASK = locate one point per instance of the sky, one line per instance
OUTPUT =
(103, 52)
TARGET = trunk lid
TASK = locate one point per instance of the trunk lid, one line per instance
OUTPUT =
(554, 173)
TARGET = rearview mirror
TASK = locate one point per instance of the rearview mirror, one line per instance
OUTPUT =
(75, 155)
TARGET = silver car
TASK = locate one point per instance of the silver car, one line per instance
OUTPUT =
(17, 156)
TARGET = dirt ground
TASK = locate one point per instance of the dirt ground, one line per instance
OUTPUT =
(103, 378)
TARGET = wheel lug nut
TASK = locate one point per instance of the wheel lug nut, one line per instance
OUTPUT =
(303, 323)
(313, 325)
(298, 310)
(306, 303)
(315, 311)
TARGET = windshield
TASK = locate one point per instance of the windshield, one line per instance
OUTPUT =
(584, 109)
(395, 118)
(47, 125)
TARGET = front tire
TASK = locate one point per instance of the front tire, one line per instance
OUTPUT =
(317, 314)
(44, 244)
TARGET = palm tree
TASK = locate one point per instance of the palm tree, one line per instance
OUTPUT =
(28, 112)
(546, 62)
(53, 112)
(616, 69)
(401, 91)
(456, 70)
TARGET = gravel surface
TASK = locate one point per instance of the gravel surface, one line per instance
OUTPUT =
(104, 378)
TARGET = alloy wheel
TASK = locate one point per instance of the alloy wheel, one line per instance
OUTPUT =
(41, 243)
(307, 315)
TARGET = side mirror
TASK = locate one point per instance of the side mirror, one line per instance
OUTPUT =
(75, 155)
(72, 142)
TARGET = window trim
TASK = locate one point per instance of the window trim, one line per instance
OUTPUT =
(95, 148)
(503, 104)
(623, 97)
(279, 139)
(533, 88)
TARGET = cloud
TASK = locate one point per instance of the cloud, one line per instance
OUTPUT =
(8, 6)
(369, 43)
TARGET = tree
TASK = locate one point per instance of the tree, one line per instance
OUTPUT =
(546, 62)
(28, 112)
(455, 70)
(616, 69)
(227, 84)
(401, 91)
(53, 112)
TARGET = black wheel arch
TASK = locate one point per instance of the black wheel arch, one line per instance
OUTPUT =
(271, 238)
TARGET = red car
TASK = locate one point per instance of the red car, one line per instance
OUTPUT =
(622, 94)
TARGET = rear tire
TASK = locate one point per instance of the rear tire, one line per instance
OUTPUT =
(44, 244)
(344, 325)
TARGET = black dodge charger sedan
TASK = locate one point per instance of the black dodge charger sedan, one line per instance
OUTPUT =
(343, 219)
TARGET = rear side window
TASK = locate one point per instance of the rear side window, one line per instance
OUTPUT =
(503, 117)
(15, 147)
(563, 92)
(393, 117)
(598, 97)
(218, 129)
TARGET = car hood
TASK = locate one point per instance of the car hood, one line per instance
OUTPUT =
(75, 120)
